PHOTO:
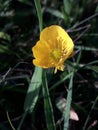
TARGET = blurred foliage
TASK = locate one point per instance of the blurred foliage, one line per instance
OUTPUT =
(19, 31)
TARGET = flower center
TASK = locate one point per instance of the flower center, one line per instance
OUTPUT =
(56, 55)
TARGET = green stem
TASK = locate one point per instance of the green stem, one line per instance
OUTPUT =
(9, 120)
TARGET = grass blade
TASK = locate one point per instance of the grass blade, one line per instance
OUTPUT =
(47, 104)
(39, 13)
(88, 117)
(32, 94)
(68, 104)
(33, 91)
(60, 81)
(36, 81)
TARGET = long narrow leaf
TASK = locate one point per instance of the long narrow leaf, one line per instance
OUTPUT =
(36, 81)
(33, 91)
(68, 104)
(88, 117)
(47, 104)
(60, 81)
(39, 13)
(32, 94)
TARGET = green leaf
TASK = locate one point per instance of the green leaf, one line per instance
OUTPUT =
(56, 13)
(32, 94)
(47, 104)
(36, 81)
(68, 104)
(67, 6)
(33, 90)
(3, 48)
(60, 81)
(94, 68)
(39, 13)
(5, 36)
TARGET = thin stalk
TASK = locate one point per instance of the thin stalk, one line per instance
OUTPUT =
(83, 21)
(22, 120)
(68, 104)
(39, 13)
(88, 117)
(9, 120)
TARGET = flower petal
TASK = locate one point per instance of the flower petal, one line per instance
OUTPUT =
(52, 33)
(53, 48)
(41, 52)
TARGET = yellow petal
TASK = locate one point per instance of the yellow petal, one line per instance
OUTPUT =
(51, 33)
(41, 52)
(53, 48)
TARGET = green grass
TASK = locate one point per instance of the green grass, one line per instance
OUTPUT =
(28, 94)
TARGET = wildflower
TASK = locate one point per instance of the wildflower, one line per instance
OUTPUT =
(53, 48)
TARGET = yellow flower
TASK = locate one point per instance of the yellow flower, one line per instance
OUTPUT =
(53, 48)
